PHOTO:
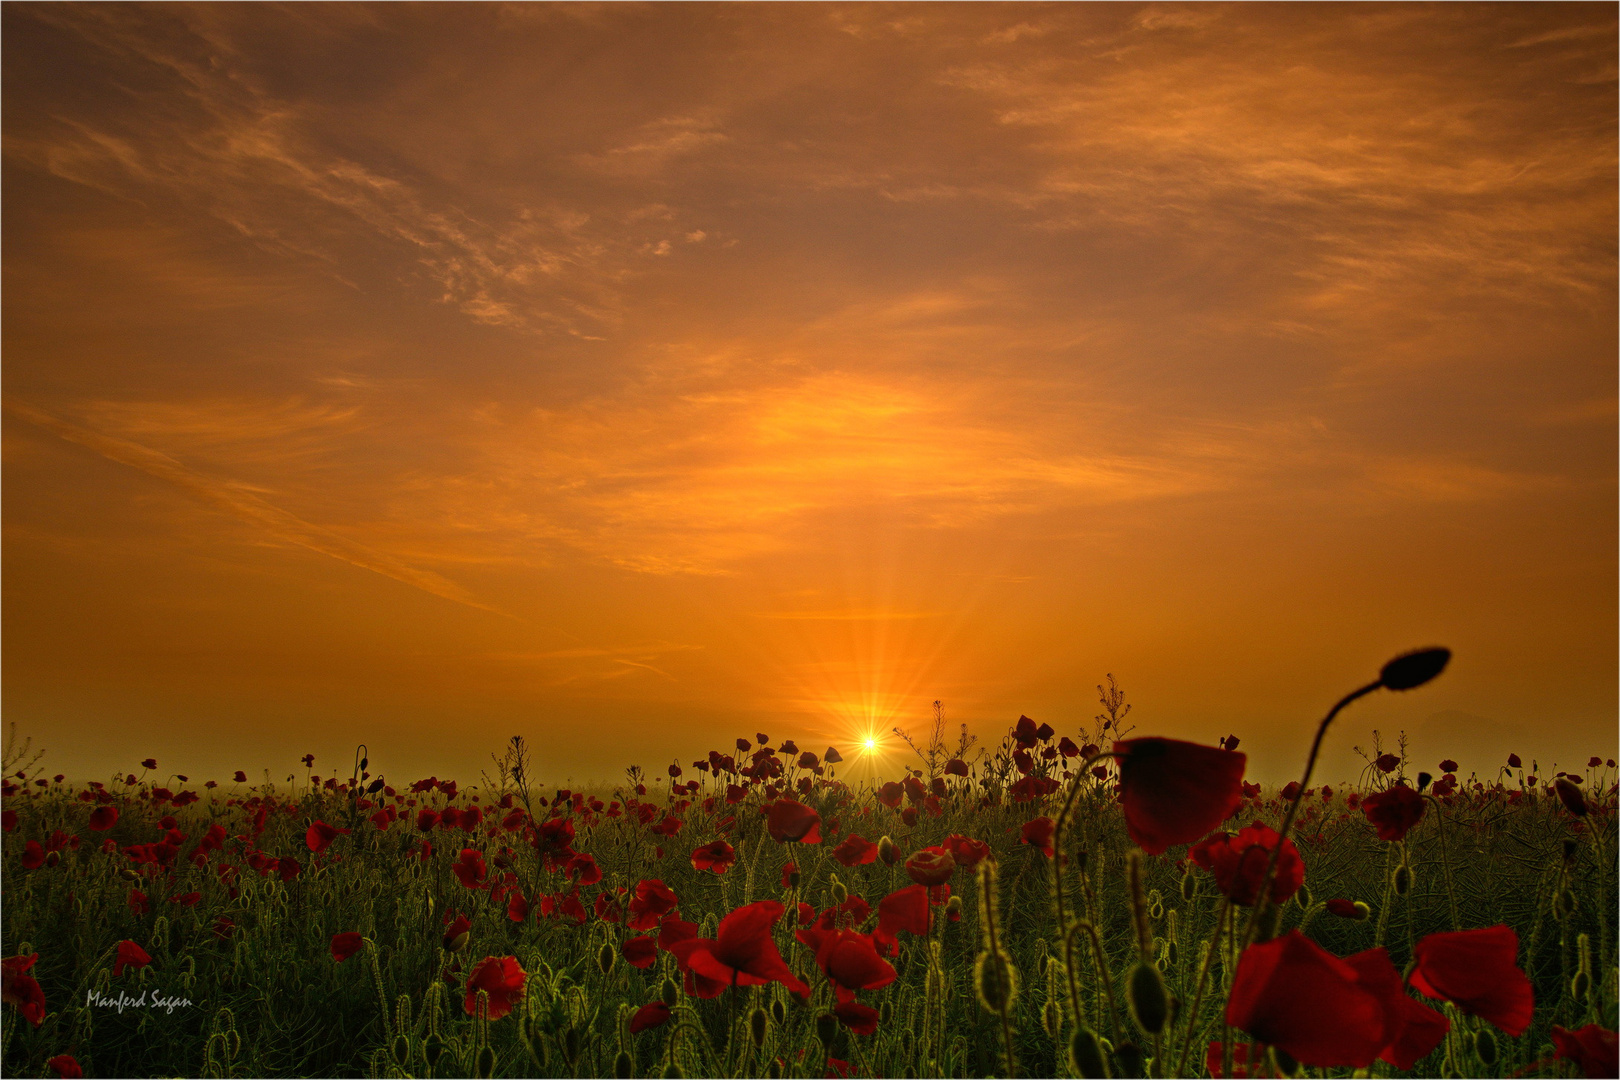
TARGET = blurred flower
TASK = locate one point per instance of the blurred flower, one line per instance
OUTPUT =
(1393, 812)
(103, 818)
(1448, 766)
(502, 978)
(905, 909)
(1514, 762)
(1594, 1049)
(20, 990)
(1038, 834)
(149, 763)
(1413, 669)
(346, 944)
(1174, 792)
(1329, 1012)
(1570, 796)
(855, 851)
(640, 951)
(66, 1067)
(1239, 862)
(1477, 970)
(653, 1014)
(1345, 909)
(793, 822)
(320, 836)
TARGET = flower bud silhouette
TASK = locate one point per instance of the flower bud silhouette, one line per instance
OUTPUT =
(1413, 669)
(1150, 1005)
(757, 1021)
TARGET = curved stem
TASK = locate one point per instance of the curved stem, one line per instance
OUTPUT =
(1198, 993)
(1445, 863)
(1263, 900)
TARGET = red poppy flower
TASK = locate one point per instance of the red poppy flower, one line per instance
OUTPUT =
(129, 955)
(956, 767)
(742, 952)
(717, 856)
(502, 978)
(103, 818)
(346, 944)
(641, 951)
(8, 820)
(320, 836)
(852, 962)
(457, 927)
(860, 1019)
(1174, 792)
(189, 899)
(1038, 833)
(19, 989)
(1393, 812)
(856, 850)
(1514, 762)
(1448, 766)
(905, 909)
(1387, 762)
(652, 901)
(1595, 1050)
(931, 866)
(1345, 909)
(1067, 748)
(966, 851)
(137, 902)
(1477, 970)
(1570, 796)
(651, 1015)
(793, 822)
(1239, 862)
(66, 1066)
(469, 868)
(33, 856)
(1329, 1012)
(832, 756)
(1024, 732)
(674, 929)
(149, 763)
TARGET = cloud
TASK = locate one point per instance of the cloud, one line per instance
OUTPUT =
(247, 507)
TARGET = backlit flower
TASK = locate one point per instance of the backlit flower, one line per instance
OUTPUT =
(855, 851)
(502, 978)
(793, 822)
(931, 866)
(346, 944)
(1393, 812)
(1239, 862)
(103, 818)
(129, 955)
(742, 952)
(1038, 834)
(716, 856)
(1478, 971)
(1174, 792)
(1594, 1049)
(320, 836)
(651, 1015)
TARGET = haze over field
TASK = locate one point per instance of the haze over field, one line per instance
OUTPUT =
(638, 377)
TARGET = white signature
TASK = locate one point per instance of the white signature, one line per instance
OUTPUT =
(145, 1000)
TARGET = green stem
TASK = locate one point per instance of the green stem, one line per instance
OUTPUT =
(1198, 993)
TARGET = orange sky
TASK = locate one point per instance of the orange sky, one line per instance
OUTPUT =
(638, 377)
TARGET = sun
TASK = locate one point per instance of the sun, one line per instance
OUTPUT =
(871, 744)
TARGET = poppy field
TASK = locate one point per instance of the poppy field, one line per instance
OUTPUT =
(1084, 903)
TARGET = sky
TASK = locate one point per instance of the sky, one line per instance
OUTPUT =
(633, 378)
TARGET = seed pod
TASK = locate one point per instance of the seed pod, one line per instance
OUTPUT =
(826, 1028)
(605, 956)
(1149, 1004)
(1086, 1055)
(1485, 1047)
(994, 981)
(1403, 879)
(668, 992)
(484, 1063)
(624, 1066)
(1129, 1056)
(778, 1012)
(756, 1026)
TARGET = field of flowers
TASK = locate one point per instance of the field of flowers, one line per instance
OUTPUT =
(1086, 904)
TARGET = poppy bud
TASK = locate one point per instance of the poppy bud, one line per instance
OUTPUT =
(995, 982)
(1570, 795)
(624, 1066)
(1570, 848)
(756, 1026)
(1051, 1020)
(1363, 907)
(837, 891)
(1411, 670)
(1485, 1047)
(1189, 885)
(129, 875)
(605, 956)
(793, 879)
(1565, 905)
(673, 1071)
(365, 763)
(1149, 1004)
(1170, 954)
(774, 1071)
(1286, 1065)
(1085, 1054)
(570, 1045)
(52, 858)
(1403, 879)
(884, 1012)
(459, 942)
(826, 1028)
(953, 907)
(432, 1048)
(1424, 780)
(484, 1065)
(1579, 985)
(669, 993)
(779, 1012)
(401, 1049)
(1129, 1056)
(888, 851)
(1304, 896)
(1156, 912)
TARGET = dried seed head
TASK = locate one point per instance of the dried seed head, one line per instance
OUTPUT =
(1150, 1005)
